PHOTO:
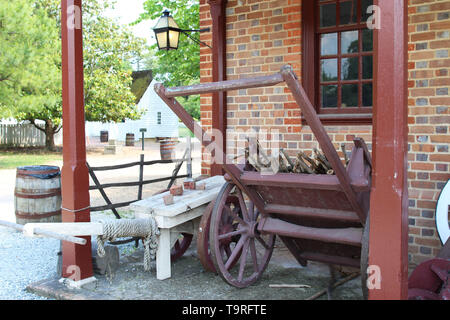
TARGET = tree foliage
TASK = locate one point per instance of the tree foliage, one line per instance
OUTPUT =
(34, 53)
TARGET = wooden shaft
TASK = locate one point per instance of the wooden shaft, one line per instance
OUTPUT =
(264, 81)
(46, 233)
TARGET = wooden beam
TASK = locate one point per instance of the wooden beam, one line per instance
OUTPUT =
(256, 82)
(219, 99)
(74, 173)
(389, 196)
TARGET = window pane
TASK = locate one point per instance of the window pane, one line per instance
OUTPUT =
(350, 95)
(328, 15)
(367, 96)
(350, 69)
(348, 12)
(367, 36)
(329, 44)
(329, 96)
(329, 70)
(349, 42)
(365, 4)
(367, 67)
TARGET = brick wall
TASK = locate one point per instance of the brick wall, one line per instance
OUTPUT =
(429, 119)
(262, 36)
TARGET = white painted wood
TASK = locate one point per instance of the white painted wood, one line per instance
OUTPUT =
(442, 213)
(163, 270)
(184, 215)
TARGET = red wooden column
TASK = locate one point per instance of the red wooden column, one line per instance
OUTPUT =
(389, 198)
(77, 260)
(219, 99)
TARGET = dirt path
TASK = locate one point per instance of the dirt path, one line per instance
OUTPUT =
(95, 158)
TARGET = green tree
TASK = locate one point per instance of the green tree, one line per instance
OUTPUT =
(108, 49)
(182, 66)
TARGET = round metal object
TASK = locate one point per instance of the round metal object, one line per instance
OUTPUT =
(180, 246)
(239, 252)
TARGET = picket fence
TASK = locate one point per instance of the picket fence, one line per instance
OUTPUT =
(21, 135)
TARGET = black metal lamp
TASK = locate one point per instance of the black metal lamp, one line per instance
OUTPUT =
(167, 33)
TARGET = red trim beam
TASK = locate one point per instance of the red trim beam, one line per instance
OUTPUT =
(388, 249)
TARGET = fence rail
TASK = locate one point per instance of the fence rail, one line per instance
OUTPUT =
(21, 135)
(187, 157)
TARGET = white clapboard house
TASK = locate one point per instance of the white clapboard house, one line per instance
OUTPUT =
(158, 118)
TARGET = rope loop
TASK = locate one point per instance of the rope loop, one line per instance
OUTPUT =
(147, 229)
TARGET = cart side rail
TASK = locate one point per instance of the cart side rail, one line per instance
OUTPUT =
(286, 75)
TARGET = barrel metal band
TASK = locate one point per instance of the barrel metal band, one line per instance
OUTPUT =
(36, 215)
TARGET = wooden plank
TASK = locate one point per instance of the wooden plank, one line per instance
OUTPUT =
(347, 236)
(338, 215)
(189, 200)
(288, 180)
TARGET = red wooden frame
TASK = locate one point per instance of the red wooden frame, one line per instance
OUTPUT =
(311, 68)
(77, 259)
(389, 197)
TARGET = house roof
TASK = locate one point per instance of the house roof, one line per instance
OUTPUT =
(141, 81)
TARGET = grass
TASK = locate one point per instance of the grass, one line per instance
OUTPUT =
(185, 132)
(11, 158)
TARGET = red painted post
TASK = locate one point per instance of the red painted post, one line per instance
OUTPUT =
(219, 99)
(77, 259)
(388, 248)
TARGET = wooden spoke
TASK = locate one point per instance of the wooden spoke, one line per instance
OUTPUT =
(253, 253)
(231, 234)
(235, 251)
(243, 259)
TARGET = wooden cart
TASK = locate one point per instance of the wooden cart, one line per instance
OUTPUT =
(318, 217)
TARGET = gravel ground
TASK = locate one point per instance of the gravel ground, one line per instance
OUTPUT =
(24, 260)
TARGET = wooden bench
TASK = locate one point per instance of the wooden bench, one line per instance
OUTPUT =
(181, 217)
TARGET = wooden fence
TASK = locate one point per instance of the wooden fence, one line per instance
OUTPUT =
(21, 135)
(187, 157)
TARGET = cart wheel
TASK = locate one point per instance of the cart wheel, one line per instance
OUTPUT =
(203, 235)
(203, 239)
(180, 246)
(365, 260)
(234, 238)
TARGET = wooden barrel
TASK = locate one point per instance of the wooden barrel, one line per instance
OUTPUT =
(129, 141)
(37, 196)
(167, 148)
(104, 136)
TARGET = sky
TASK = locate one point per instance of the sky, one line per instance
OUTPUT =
(127, 11)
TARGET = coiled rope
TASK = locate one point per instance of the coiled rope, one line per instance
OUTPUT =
(146, 229)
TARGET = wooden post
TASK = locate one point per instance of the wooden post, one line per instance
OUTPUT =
(74, 173)
(189, 158)
(141, 175)
(388, 249)
(219, 99)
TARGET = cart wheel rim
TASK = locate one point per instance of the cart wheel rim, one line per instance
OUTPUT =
(365, 259)
(203, 240)
(180, 246)
(234, 240)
